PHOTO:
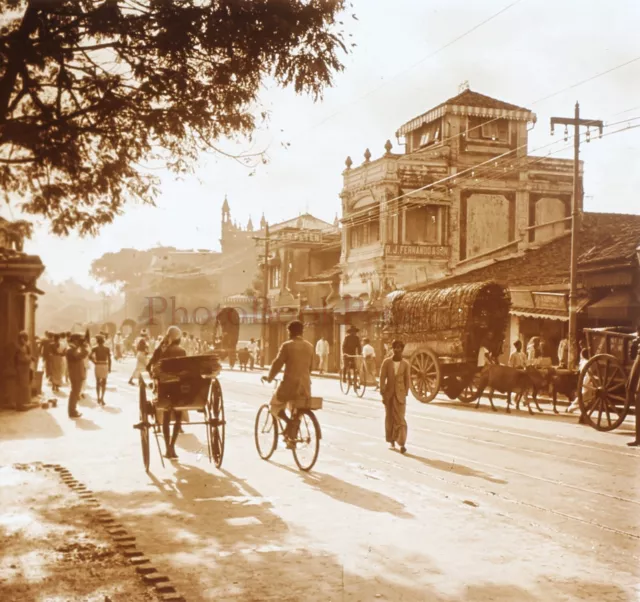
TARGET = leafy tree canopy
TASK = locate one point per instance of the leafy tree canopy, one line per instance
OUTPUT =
(126, 266)
(92, 91)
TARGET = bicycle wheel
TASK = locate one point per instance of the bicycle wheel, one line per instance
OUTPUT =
(360, 381)
(265, 432)
(345, 387)
(307, 443)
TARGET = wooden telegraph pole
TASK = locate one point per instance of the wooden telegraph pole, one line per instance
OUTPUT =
(265, 292)
(576, 214)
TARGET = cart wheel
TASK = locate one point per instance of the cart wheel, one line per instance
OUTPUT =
(265, 433)
(216, 423)
(307, 444)
(602, 388)
(345, 387)
(470, 392)
(426, 376)
(144, 424)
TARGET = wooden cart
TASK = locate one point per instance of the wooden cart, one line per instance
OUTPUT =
(606, 384)
(443, 330)
(184, 384)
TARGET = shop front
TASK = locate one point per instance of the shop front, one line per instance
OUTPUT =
(365, 315)
(542, 314)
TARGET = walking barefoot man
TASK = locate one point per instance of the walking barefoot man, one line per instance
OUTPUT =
(101, 358)
(394, 386)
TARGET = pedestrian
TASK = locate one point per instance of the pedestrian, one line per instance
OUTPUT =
(89, 342)
(518, 359)
(57, 363)
(322, 351)
(77, 352)
(533, 351)
(243, 358)
(394, 386)
(368, 363)
(587, 389)
(118, 346)
(46, 352)
(563, 352)
(64, 345)
(142, 354)
(23, 371)
(253, 350)
(101, 358)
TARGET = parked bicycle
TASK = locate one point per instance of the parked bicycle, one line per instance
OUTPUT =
(353, 375)
(302, 435)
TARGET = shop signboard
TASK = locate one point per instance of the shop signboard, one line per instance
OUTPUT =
(429, 251)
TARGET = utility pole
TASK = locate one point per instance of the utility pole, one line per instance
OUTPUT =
(265, 292)
(576, 214)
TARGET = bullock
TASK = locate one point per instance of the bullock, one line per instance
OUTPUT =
(564, 382)
(511, 380)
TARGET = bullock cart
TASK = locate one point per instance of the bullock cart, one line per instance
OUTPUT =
(184, 384)
(443, 330)
(607, 382)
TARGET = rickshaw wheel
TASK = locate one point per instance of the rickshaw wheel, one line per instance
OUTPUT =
(144, 424)
(215, 423)
(603, 388)
(426, 375)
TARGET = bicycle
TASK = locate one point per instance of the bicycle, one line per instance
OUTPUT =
(303, 423)
(352, 372)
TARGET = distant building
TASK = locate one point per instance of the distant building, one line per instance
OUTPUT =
(187, 287)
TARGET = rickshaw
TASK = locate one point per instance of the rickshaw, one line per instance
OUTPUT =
(184, 384)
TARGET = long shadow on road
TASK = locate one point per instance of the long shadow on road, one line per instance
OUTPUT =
(455, 468)
(219, 538)
(349, 493)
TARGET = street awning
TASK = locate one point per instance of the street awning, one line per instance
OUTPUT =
(617, 305)
(540, 313)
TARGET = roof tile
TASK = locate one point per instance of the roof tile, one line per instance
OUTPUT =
(605, 238)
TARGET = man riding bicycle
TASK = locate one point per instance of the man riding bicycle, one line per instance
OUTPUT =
(350, 347)
(296, 356)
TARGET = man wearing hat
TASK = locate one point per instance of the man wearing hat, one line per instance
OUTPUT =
(350, 347)
(168, 348)
(77, 353)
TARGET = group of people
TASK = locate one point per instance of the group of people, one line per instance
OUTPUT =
(248, 355)
(357, 354)
(66, 358)
(296, 356)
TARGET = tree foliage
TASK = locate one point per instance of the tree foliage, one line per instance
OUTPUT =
(126, 266)
(94, 92)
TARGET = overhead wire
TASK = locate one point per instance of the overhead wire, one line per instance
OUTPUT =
(488, 172)
(426, 58)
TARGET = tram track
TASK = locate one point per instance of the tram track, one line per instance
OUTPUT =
(487, 465)
(490, 495)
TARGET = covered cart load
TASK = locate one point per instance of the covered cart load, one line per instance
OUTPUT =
(443, 329)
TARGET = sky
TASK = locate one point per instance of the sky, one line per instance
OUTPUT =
(410, 56)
